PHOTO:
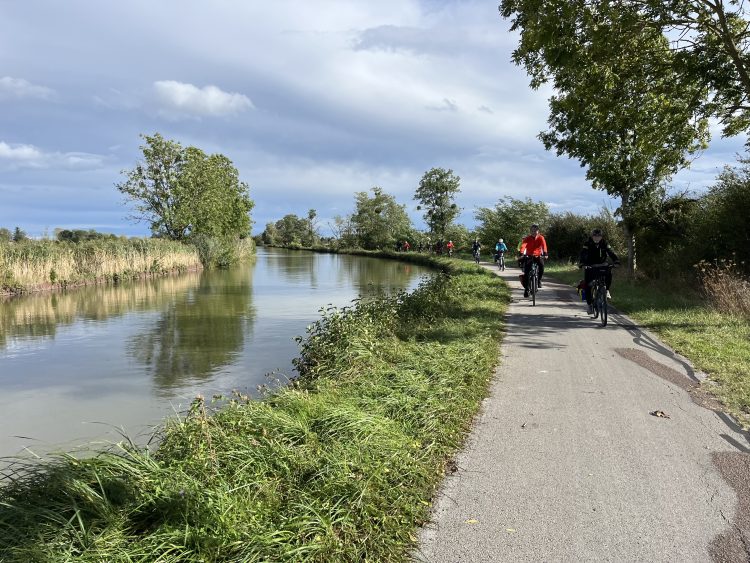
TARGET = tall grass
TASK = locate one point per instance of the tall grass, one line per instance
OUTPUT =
(726, 287)
(35, 264)
(339, 466)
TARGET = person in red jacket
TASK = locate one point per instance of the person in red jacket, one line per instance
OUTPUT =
(533, 247)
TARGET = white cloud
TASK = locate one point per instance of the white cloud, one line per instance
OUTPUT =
(19, 88)
(15, 156)
(19, 153)
(179, 98)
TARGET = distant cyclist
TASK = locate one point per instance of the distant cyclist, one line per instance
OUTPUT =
(476, 248)
(450, 246)
(533, 248)
(500, 249)
(595, 251)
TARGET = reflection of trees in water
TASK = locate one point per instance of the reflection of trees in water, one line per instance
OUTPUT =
(200, 331)
(367, 275)
(299, 267)
(40, 315)
(370, 275)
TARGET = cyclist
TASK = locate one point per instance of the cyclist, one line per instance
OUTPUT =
(450, 246)
(533, 247)
(476, 247)
(500, 249)
(595, 251)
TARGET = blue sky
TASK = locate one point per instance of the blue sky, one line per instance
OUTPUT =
(312, 101)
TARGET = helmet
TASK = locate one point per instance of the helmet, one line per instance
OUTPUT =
(534, 226)
(501, 240)
(596, 232)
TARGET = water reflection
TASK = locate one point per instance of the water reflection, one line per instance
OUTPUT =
(42, 315)
(366, 275)
(200, 331)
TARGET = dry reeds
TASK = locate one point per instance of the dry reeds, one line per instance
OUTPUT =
(725, 286)
(36, 264)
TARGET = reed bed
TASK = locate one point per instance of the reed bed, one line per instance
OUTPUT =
(40, 264)
(339, 466)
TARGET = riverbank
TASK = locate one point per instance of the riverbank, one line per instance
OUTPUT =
(716, 343)
(340, 466)
(45, 265)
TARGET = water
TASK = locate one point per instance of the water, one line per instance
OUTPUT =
(77, 366)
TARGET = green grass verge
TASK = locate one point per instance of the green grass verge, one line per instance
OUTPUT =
(340, 466)
(716, 343)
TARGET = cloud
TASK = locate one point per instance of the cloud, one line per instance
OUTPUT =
(181, 99)
(19, 88)
(15, 156)
(447, 105)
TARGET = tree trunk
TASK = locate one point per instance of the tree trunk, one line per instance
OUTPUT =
(630, 240)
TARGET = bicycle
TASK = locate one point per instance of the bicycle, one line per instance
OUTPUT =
(533, 280)
(475, 252)
(598, 289)
(500, 261)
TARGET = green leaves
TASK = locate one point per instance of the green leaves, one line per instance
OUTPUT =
(182, 192)
(436, 191)
(379, 221)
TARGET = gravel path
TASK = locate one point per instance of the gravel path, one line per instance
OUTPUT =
(566, 463)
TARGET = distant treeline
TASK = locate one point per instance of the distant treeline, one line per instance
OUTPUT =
(674, 233)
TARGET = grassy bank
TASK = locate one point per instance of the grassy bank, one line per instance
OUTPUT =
(716, 343)
(340, 466)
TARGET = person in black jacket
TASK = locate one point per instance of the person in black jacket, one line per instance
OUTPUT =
(595, 251)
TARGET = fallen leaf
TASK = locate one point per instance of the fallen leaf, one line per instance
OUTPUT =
(510, 530)
(660, 414)
(472, 521)
(523, 425)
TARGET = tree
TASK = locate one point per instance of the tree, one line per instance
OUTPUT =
(292, 229)
(436, 191)
(343, 231)
(5, 235)
(182, 192)
(19, 235)
(621, 108)
(711, 40)
(379, 221)
(312, 232)
(270, 235)
(510, 220)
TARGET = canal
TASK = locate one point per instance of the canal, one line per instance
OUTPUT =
(81, 367)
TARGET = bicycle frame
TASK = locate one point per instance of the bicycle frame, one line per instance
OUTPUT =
(598, 289)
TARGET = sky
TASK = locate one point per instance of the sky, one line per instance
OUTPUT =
(312, 101)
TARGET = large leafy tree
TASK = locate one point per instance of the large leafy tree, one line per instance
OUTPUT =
(510, 220)
(182, 191)
(378, 220)
(620, 106)
(436, 192)
(711, 40)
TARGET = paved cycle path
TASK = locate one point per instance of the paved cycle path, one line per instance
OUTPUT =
(566, 463)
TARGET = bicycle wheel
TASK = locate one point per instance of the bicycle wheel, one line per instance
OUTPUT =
(595, 299)
(534, 280)
(502, 263)
(603, 313)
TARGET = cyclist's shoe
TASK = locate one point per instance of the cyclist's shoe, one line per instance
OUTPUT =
(608, 295)
(539, 285)
(525, 292)
(591, 308)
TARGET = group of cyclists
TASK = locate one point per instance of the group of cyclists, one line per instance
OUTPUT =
(533, 249)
